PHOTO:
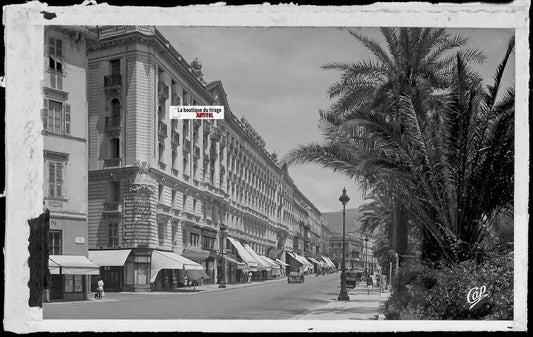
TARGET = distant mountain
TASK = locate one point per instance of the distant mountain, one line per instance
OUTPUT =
(334, 220)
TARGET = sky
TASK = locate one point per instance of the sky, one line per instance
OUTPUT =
(273, 77)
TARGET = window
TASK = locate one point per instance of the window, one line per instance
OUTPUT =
(174, 232)
(114, 148)
(161, 232)
(115, 67)
(194, 239)
(113, 192)
(115, 107)
(173, 198)
(55, 63)
(174, 157)
(160, 193)
(113, 235)
(56, 117)
(73, 283)
(55, 179)
(194, 206)
(184, 202)
(161, 151)
(208, 242)
(54, 242)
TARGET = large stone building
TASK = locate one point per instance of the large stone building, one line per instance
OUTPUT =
(359, 249)
(160, 188)
(64, 116)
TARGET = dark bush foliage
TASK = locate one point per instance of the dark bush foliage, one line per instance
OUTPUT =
(440, 292)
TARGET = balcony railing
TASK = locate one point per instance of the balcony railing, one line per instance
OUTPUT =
(112, 80)
(109, 31)
(112, 207)
(112, 162)
(162, 130)
(175, 138)
(112, 121)
(162, 91)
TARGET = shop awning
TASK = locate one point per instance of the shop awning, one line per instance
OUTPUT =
(195, 275)
(72, 264)
(282, 263)
(109, 258)
(195, 255)
(170, 260)
(260, 263)
(243, 253)
(270, 262)
(232, 260)
(328, 261)
(303, 260)
(293, 256)
(275, 253)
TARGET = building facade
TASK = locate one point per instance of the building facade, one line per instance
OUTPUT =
(64, 117)
(167, 185)
(358, 252)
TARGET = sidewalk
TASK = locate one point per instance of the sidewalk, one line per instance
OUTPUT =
(206, 288)
(364, 304)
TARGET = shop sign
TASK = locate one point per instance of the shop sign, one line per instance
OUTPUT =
(79, 239)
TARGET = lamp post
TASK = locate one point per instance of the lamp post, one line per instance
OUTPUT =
(343, 295)
(222, 283)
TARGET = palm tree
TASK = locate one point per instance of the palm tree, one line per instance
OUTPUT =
(418, 125)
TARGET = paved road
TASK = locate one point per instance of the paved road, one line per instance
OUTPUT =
(275, 300)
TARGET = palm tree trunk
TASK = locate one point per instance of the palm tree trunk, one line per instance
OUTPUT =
(398, 235)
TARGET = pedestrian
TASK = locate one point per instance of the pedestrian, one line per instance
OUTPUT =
(185, 280)
(249, 276)
(100, 288)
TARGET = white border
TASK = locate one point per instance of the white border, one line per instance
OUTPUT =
(24, 144)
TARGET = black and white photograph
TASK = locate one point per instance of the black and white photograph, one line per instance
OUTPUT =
(246, 169)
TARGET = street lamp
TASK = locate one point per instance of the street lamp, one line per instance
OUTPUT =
(343, 295)
(222, 283)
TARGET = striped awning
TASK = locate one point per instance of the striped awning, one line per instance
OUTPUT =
(244, 254)
(72, 265)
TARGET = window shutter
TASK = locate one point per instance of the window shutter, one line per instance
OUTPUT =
(59, 77)
(51, 46)
(51, 179)
(44, 114)
(67, 119)
(59, 179)
(59, 48)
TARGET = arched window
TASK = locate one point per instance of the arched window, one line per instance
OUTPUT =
(115, 107)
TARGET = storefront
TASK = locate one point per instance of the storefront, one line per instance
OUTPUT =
(111, 263)
(250, 264)
(168, 269)
(70, 277)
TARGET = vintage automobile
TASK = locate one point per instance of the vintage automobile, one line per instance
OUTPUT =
(295, 277)
(351, 278)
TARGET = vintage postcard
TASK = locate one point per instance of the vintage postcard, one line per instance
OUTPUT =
(266, 168)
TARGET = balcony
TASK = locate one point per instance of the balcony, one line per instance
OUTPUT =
(162, 130)
(162, 91)
(112, 207)
(112, 125)
(196, 151)
(113, 84)
(112, 80)
(175, 138)
(109, 31)
(175, 99)
(186, 145)
(112, 162)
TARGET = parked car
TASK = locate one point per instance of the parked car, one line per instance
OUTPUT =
(295, 277)
(351, 278)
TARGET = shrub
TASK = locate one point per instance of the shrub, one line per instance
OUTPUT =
(440, 292)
